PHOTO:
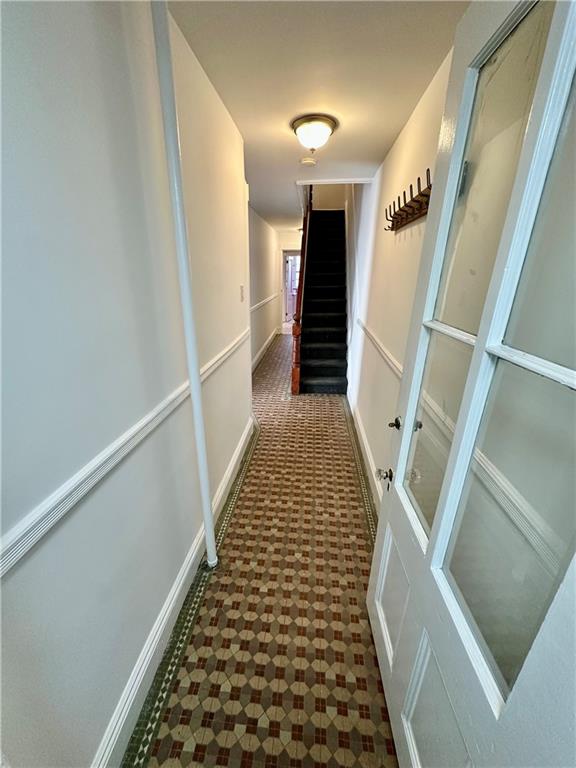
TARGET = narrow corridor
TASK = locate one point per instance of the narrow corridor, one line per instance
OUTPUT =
(272, 661)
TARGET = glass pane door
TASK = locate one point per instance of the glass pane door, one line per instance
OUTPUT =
(443, 383)
(502, 107)
(516, 524)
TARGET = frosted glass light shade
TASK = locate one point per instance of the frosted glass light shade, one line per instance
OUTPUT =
(313, 131)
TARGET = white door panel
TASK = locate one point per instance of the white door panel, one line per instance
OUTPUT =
(471, 596)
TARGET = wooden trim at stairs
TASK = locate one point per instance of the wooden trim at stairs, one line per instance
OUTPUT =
(297, 326)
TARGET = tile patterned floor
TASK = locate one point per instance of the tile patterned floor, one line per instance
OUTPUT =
(277, 665)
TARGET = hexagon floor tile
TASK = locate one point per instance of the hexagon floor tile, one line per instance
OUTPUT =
(272, 662)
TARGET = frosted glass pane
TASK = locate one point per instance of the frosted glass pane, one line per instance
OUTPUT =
(443, 383)
(517, 516)
(543, 315)
(502, 106)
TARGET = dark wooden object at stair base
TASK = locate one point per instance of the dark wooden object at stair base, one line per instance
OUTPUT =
(320, 348)
(297, 325)
(412, 209)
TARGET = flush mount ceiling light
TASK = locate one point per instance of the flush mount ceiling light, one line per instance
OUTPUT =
(313, 131)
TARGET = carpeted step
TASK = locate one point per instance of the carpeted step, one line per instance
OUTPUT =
(323, 334)
(326, 319)
(322, 277)
(324, 305)
(326, 250)
(322, 367)
(325, 292)
(324, 385)
(322, 349)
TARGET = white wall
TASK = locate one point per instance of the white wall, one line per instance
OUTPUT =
(329, 197)
(216, 198)
(92, 343)
(383, 269)
(265, 285)
(289, 240)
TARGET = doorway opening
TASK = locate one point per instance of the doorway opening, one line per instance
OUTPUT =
(291, 271)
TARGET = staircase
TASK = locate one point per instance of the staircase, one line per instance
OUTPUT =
(323, 343)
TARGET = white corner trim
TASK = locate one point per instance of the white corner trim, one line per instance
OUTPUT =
(20, 539)
(258, 356)
(225, 484)
(212, 365)
(264, 301)
(24, 535)
(394, 365)
(124, 717)
(375, 486)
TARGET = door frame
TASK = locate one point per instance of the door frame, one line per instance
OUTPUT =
(286, 254)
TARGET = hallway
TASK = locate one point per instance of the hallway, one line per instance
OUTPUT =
(279, 667)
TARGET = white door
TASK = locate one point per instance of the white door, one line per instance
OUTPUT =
(472, 589)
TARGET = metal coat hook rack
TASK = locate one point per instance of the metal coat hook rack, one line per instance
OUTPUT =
(413, 208)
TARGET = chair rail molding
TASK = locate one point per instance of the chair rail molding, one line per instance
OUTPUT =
(20, 539)
(394, 365)
(264, 301)
(212, 365)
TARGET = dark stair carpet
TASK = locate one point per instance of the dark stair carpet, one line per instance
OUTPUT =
(323, 351)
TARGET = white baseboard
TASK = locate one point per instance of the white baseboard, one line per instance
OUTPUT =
(265, 346)
(229, 475)
(375, 486)
(125, 716)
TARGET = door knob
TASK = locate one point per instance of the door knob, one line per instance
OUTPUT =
(396, 424)
(417, 425)
(385, 474)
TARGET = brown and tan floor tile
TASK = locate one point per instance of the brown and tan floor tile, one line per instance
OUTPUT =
(279, 667)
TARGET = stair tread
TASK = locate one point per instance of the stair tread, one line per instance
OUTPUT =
(323, 379)
(323, 286)
(324, 362)
(326, 300)
(325, 314)
(324, 344)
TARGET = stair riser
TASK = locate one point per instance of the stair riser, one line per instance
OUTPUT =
(323, 254)
(312, 292)
(328, 263)
(323, 389)
(322, 352)
(332, 305)
(321, 334)
(325, 278)
(308, 369)
(324, 321)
